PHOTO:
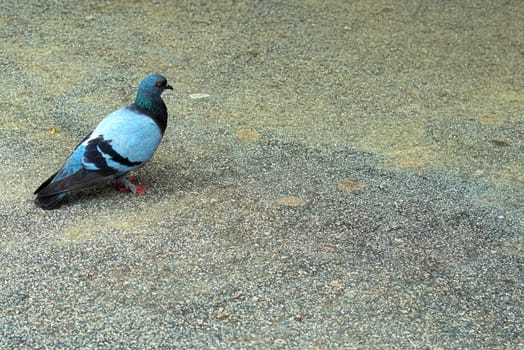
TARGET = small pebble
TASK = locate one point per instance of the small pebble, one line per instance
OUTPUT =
(198, 96)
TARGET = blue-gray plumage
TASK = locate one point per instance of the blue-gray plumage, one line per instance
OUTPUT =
(123, 141)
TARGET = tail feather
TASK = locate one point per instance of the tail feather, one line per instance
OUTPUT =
(50, 202)
(53, 191)
(45, 183)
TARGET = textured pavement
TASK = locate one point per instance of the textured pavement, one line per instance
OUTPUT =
(350, 176)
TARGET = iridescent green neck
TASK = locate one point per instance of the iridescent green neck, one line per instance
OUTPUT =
(144, 102)
(152, 106)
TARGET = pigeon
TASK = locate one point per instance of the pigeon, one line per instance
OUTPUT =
(124, 140)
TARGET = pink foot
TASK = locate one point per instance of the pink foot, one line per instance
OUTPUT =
(122, 186)
(138, 189)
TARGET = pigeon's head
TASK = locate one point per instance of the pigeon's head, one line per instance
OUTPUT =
(149, 91)
(153, 85)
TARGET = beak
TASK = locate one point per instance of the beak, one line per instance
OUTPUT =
(168, 87)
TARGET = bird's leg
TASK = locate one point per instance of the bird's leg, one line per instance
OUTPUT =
(124, 184)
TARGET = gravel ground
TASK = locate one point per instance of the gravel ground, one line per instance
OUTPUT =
(353, 177)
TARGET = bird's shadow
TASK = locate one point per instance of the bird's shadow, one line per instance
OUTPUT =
(163, 179)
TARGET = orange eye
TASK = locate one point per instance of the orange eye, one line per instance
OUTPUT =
(159, 84)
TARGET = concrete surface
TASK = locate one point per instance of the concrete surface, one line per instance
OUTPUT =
(353, 180)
